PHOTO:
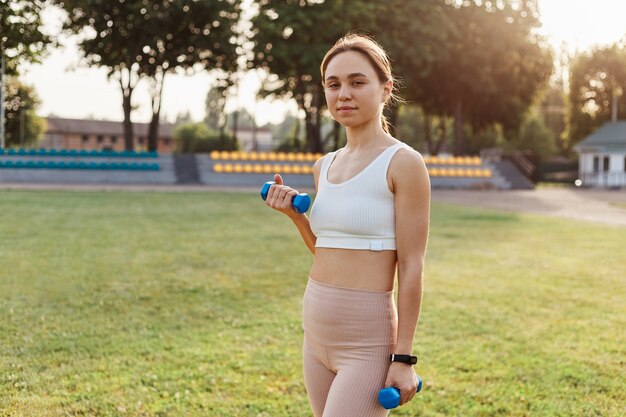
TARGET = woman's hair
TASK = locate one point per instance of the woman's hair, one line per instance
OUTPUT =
(374, 53)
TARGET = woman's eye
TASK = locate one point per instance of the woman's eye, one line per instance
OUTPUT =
(358, 83)
(331, 86)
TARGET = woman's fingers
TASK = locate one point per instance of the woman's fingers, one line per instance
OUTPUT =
(279, 196)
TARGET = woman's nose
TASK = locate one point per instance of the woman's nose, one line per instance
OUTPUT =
(344, 93)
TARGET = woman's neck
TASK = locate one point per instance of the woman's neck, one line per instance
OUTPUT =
(365, 136)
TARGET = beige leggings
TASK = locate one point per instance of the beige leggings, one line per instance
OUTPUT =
(348, 337)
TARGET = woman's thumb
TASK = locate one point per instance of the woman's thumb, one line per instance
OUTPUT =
(278, 179)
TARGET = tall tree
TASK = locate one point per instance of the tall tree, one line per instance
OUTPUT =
(493, 69)
(185, 35)
(290, 39)
(597, 83)
(137, 38)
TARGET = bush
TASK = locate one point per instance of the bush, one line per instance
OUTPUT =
(198, 138)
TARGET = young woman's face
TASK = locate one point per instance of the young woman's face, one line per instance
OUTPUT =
(354, 94)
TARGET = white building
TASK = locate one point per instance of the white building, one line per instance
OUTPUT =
(602, 156)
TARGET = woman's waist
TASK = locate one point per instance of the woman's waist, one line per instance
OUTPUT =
(359, 269)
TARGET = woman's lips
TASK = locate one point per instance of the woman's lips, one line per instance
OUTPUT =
(345, 110)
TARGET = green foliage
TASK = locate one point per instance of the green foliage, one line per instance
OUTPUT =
(20, 38)
(23, 126)
(202, 320)
(136, 38)
(479, 62)
(290, 44)
(535, 136)
(198, 138)
(492, 68)
(595, 78)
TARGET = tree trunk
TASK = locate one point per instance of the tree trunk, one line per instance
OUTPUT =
(127, 91)
(458, 127)
(442, 138)
(156, 93)
(428, 134)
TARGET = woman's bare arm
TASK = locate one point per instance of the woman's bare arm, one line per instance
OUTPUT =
(411, 187)
(282, 202)
(412, 211)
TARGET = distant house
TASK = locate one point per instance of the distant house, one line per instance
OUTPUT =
(602, 156)
(259, 139)
(99, 135)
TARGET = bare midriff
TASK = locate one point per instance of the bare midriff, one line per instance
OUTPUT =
(351, 268)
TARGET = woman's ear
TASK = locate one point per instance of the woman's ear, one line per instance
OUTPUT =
(387, 89)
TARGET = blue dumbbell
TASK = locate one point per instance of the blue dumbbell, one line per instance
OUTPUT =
(300, 202)
(390, 397)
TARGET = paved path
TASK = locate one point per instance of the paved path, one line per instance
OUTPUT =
(600, 206)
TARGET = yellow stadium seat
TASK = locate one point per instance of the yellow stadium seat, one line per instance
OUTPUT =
(271, 156)
(215, 155)
(218, 168)
(282, 156)
(300, 157)
(296, 169)
(228, 168)
(267, 169)
(247, 168)
(277, 168)
(224, 155)
(286, 169)
(291, 156)
(257, 168)
(238, 168)
(253, 156)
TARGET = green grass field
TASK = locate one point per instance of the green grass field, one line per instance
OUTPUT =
(188, 304)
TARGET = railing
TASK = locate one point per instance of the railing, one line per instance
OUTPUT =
(516, 157)
(604, 179)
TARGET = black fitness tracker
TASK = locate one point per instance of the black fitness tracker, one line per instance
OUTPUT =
(408, 359)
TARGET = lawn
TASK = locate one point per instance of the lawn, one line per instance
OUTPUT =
(188, 304)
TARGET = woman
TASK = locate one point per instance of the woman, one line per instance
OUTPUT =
(370, 217)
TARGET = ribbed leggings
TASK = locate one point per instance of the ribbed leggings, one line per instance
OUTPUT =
(348, 337)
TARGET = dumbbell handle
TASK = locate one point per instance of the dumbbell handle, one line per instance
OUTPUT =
(390, 397)
(300, 202)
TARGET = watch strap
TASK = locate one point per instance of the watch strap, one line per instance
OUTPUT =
(408, 359)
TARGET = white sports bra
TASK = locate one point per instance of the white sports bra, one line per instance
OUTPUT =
(357, 213)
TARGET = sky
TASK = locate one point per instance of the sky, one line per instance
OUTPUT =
(68, 89)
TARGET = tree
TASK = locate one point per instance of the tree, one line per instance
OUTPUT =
(137, 38)
(20, 41)
(290, 38)
(20, 37)
(597, 80)
(23, 126)
(493, 69)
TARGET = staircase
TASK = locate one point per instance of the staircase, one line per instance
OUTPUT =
(510, 172)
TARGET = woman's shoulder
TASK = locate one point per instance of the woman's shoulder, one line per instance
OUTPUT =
(407, 159)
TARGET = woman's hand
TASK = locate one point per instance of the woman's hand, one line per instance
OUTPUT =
(279, 197)
(402, 376)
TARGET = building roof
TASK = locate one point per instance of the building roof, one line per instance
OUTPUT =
(101, 127)
(611, 134)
